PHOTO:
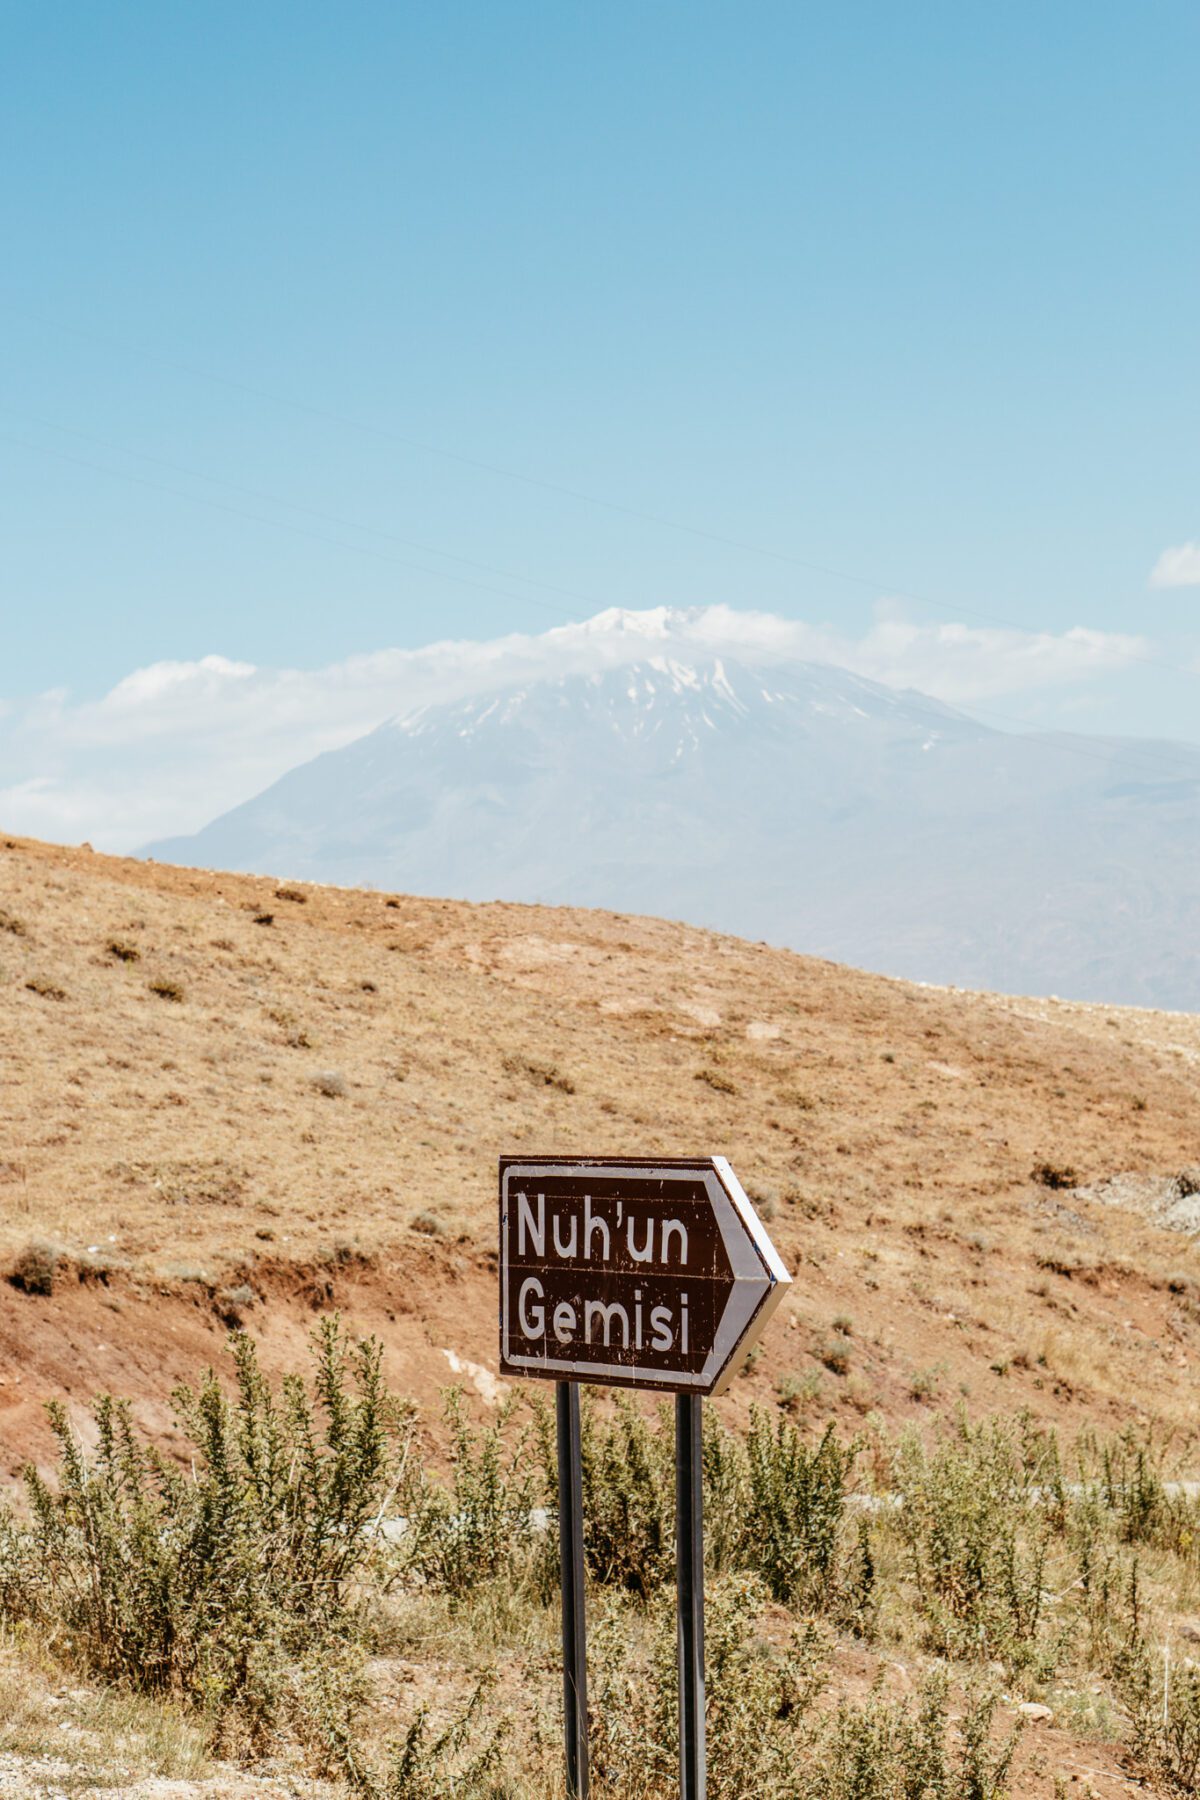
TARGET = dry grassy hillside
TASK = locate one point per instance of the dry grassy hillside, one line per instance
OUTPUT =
(227, 1098)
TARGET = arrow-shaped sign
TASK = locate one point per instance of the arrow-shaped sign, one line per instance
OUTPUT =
(635, 1273)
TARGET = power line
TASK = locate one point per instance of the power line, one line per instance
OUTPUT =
(389, 434)
(308, 511)
(1067, 741)
(279, 525)
(1128, 656)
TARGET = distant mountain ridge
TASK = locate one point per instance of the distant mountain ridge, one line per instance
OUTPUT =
(790, 801)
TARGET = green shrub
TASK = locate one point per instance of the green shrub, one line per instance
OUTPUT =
(426, 1764)
(1164, 1708)
(726, 1496)
(252, 1581)
(1109, 1605)
(1129, 1477)
(481, 1525)
(757, 1696)
(765, 1737)
(883, 1750)
(628, 1497)
(979, 1512)
(232, 1583)
(796, 1504)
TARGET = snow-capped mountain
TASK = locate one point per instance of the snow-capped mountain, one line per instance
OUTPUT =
(776, 799)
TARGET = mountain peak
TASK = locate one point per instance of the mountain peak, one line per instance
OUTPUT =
(626, 622)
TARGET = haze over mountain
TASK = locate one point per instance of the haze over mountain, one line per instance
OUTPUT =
(769, 797)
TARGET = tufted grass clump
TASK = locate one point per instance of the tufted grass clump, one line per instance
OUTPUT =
(44, 988)
(36, 1269)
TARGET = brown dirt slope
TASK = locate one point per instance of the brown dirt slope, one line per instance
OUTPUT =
(222, 1098)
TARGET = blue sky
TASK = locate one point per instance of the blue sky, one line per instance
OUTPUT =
(905, 293)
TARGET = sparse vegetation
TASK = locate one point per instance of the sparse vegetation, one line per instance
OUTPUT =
(254, 1583)
(166, 989)
(294, 1034)
(1164, 1706)
(9, 922)
(123, 950)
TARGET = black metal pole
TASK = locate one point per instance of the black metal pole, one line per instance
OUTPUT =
(689, 1577)
(570, 1544)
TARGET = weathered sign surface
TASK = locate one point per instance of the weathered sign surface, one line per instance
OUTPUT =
(641, 1273)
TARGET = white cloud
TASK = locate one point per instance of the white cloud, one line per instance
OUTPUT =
(176, 743)
(1178, 566)
(962, 664)
(164, 680)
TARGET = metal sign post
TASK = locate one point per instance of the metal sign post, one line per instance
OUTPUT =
(570, 1547)
(642, 1272)
(689, 1581)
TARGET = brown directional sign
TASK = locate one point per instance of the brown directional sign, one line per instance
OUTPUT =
(636, 1273)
